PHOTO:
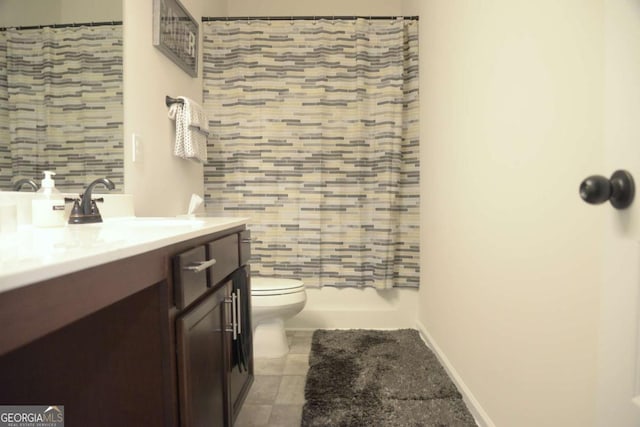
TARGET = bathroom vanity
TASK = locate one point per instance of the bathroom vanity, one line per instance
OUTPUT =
(128, 322)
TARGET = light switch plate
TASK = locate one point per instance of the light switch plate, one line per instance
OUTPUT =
(136, 148)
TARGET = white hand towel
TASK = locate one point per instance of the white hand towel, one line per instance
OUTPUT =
(192, 130)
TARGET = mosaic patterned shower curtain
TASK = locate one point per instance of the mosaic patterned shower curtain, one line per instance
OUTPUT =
(315, 138)
(6, 169)
(61, 104)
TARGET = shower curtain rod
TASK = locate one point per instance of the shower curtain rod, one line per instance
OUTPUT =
(81, 24)
(305, 18)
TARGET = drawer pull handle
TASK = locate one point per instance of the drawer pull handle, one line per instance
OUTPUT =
(200, 266)
(248, 240)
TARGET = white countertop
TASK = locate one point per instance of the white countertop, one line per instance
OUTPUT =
(31, 254)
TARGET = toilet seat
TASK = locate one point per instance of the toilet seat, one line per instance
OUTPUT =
(266, 286)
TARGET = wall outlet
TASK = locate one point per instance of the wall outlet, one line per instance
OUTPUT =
(136, 148)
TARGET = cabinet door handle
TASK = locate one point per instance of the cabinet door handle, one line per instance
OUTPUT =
(239, 313)
(234, 316)
(200, 266)
(232, 327)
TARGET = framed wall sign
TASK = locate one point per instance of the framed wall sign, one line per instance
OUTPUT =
(175, 33)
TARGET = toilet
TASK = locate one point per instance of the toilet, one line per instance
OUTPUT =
(274, 300)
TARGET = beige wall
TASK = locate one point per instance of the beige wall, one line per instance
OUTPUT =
(20, 12)
(512, 101)
(90, 10)
(314, 7)
(42, 12)
(162, 183)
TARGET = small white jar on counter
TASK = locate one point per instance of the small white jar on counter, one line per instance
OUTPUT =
(8, 214)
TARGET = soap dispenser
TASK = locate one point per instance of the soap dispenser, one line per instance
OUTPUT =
(47, 208)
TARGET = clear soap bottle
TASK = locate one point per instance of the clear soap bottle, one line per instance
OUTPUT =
(47, 207)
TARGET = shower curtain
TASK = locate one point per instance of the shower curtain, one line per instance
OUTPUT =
(61, 104)
(315, 138)
(6, 170)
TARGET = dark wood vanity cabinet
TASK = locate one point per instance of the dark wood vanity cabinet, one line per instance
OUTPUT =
(213, 331)
(145, 340)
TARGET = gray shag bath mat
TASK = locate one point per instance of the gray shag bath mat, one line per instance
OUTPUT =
(378, 378)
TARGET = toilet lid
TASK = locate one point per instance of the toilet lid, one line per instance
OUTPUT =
(275, 286)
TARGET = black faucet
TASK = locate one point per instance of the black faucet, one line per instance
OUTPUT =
(19, 183)
(85, 210)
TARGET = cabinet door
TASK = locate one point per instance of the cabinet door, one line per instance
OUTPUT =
(201, 362)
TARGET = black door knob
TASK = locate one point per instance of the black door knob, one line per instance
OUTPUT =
(619, 189)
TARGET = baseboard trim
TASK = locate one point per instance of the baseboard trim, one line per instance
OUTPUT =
(310, 319)
(481, 417)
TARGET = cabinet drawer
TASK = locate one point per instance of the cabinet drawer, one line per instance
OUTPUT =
(225, 252)
(245, 246)
(189, 284)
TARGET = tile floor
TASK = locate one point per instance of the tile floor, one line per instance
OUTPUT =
(277, 395)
